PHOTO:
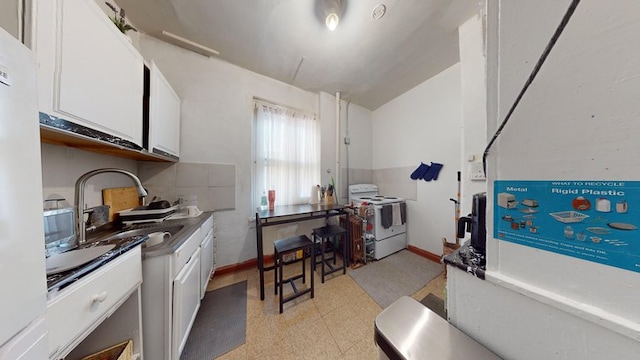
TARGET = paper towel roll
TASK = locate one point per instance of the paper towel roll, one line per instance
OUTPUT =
(315, 195)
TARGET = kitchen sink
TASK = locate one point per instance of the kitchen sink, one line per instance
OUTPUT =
(171, 229)
(122, 239)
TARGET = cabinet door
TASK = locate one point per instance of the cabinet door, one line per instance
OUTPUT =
(206, 264)
(29, 344)
(74, 312)
(22, 270)
(9, 19)
(184, 253)
(98, 74)
(214, 240)
(186, 302)
(164, 115)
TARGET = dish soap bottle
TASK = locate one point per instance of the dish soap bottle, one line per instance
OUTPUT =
(263, 201)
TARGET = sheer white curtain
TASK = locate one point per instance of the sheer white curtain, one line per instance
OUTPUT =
(287, 153)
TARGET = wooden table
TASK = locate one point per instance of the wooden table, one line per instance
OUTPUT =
(290, 214)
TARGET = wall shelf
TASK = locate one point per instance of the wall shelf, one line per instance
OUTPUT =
(55, 136)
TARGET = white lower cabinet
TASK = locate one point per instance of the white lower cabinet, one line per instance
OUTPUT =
(77, 312)
(207, 254)
(170, 292)
(206, 265)
(186, 302)
(172, 289)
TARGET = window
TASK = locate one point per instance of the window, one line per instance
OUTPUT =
(286, 153)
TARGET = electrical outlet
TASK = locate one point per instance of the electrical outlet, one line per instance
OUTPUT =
(476, 172)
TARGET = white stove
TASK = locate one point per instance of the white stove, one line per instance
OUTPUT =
(389, 218)
(378, 199)
(368, 193)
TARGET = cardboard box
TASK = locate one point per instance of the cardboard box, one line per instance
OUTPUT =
(122, 351)
(448, 249)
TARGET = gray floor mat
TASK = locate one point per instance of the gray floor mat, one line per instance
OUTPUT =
(396, 275)
(435, 304)
(221, 323)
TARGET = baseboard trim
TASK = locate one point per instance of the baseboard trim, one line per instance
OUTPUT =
(237, 267)
(268, 259)
(251, 263)
(424, 253)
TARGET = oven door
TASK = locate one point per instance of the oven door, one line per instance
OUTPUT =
(380, 232)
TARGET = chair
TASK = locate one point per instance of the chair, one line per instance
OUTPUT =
(287, 246)
(327, 237)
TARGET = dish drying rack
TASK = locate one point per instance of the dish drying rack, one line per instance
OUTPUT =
(568, 217)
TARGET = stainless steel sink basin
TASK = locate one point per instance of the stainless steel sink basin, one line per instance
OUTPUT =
(173, 229)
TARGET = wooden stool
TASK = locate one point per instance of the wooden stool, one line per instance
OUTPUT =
(325, 234)
(288, 246)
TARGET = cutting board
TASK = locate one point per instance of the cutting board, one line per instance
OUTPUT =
(120, 199)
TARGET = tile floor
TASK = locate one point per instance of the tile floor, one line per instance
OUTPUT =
(338, 323)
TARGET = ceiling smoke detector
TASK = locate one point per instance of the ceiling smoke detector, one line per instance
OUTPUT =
(379, 11)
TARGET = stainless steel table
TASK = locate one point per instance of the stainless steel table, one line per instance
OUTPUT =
(290, 214)
(407, 329)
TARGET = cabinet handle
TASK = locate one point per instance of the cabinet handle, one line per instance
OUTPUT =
(100, 297)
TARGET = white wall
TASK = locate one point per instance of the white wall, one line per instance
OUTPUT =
(327, 105)
(424, 125)
(359, 153)
(357, 156)
(577, 121)
(474, 109)
(516, 327)
(62, 166)
(360, 134)
(216, 129)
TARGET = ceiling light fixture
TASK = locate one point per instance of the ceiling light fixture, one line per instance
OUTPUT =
(332, 21)
(332, 12)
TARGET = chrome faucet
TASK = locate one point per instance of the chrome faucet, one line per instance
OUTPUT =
(79, 199)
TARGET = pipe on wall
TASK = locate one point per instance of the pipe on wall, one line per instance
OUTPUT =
(337, 171)
(347, 142)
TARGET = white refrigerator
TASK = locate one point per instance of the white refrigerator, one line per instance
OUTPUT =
(22, 256)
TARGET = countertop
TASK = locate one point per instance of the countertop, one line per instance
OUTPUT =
(466, 258)
(170, 246)
(61, 280)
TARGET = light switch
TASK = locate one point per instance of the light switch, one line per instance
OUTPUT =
(476, 172)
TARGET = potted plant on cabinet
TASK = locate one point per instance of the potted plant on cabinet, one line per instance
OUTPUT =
(119, 19)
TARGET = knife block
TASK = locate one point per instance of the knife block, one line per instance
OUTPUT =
(328, 200)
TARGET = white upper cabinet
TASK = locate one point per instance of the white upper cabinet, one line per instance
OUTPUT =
(9, 18)
(164, 115)
(89, 72)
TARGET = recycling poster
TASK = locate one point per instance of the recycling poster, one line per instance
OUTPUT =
(592, 220)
